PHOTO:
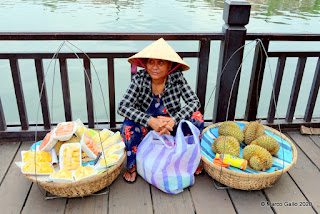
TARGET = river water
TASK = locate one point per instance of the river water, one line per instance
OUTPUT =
(271, 16)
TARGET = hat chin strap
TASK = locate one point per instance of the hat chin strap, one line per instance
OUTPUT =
(134, 67)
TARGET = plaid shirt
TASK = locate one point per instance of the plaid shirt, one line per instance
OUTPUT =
(139, 96)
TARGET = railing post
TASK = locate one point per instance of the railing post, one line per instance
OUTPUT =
(236, 15)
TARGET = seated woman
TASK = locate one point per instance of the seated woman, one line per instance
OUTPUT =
(152, 101)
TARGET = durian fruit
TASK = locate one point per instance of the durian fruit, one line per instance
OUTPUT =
(230, 128)
(73, 139)
(258, 158)
(267, 142)
(252, 131)
(226, 145)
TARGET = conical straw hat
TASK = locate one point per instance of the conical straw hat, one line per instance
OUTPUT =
(160, 49)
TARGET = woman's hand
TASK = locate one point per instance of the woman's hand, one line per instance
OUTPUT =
(168, 127)
(161, 125)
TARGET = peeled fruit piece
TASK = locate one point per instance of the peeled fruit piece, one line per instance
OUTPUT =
(91, 145)
(41, 156)
(109, 159)
(71, 157)
(45, 140)
(73, 139)
(252, 131)
(83, 171)
(62, 174)
(226, 145)
(65, 128)
(39, 167)
(230, 128)
(111, 140)
(267, 142)
(112, 149)
(258, 158)
(101, 136)
(80, 130)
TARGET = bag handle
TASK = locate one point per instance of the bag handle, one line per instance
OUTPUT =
(194, 130)
(166, 140)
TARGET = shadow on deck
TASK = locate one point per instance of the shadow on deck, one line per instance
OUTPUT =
(298, 188)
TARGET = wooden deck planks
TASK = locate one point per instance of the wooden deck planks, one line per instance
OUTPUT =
(207, 198)
(15, 187)
(164, 203)
(130, 198)
(7, 153)
(249, 201)
(307, 177)
(87, 205)
(308, 146)
(36, 204)
(315, 139)
(284, 191)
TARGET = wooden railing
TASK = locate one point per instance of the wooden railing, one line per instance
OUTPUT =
(232, 38)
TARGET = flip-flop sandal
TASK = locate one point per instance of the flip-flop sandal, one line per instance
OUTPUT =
(202, 171)
(130, 182)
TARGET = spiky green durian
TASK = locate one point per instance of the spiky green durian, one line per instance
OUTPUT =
(230, 128)
(268, 142)
(258, 158)
(252, 131)
(226, 145)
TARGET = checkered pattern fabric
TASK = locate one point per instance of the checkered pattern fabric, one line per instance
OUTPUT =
(139, 96)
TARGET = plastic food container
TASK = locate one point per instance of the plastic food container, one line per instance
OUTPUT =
(117, 148)
(79, 174)
(29, 168)
(59, 178)
(81, 129)
(89, 147)
(111, 160)
(48, 142)
(115, 138)
(102, 136)
(70, 156)
(65, 130)
(41, 156)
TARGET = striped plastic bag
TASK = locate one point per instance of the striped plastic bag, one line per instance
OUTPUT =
(168, 162)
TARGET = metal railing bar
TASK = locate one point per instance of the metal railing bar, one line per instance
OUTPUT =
(111, 85)
(294, 54)
(3, 125)
(276, 89)
(65, 88)
(88, 80)
(313, 93)
(15, 71)
(295, 88)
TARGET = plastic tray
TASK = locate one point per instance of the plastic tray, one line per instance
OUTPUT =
(119, 151)
(38, 174)
(61, 153)
(68, 136)
(22, 152)
(52, 142)
(95, 170)
(86, 149)
(100, 167)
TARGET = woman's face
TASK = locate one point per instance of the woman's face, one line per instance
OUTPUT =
(158, 68)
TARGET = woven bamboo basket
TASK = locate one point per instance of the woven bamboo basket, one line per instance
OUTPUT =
(246, 181)
(83, 187)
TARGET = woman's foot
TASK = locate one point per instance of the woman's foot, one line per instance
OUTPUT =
(131, 174)
(199, 170)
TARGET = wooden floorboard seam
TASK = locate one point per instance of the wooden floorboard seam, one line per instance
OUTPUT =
(314, 142)
(302, 192)
(194, 207)
(65, 207)
(296, 144)
(5, 174)
(266, 196)
(151, 198)
(234, 206)
(25, 200)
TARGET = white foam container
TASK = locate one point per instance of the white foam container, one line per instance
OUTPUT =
(86, 149)
(60, 180)
(38, 174)
(68, 136)
(95, 170)
(109, 139)
(61, 153)
(52, 142)
(105, 130)
(119, 151)
(100, 167)
(22, 152)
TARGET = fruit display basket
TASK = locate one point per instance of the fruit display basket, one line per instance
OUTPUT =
(243, 180)
(82, 187)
